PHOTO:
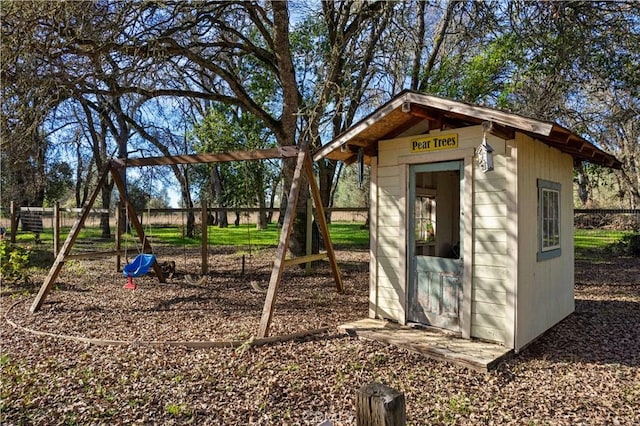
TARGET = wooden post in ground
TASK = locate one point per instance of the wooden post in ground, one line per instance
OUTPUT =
(56, 228)
(118, 236)
(205, 238)
(380, 405)
(14, 221)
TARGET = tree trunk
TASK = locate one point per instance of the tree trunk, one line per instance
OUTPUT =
(442, 31)
(122, 138)
(417, 55)
(583, 183)
(223, 222)
(299, 227)
(262, 215)
(286, 134)
(326, 173)
(272, 201)
(106, 204)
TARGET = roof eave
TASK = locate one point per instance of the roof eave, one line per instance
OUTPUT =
(550, 133)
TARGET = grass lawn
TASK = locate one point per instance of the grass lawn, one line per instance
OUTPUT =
(596, 238)
(588, 243)
(342, 234)
(345, 234)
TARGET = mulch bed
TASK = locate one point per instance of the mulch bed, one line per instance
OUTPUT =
(583, 371)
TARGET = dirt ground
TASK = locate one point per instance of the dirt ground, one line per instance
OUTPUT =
(583, 371)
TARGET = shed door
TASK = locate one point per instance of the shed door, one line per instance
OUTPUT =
(435, 246)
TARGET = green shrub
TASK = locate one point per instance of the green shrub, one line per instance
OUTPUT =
(14, 261)
(630, 244)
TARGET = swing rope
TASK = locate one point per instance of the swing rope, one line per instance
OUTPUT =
(141, 264)
(188, 277)
(248, 232)
(253, 283)
(246, 192)
(147, 234)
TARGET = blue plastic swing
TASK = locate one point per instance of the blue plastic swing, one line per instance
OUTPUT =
(139, 265)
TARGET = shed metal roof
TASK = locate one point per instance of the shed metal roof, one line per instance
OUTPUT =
(409, 108)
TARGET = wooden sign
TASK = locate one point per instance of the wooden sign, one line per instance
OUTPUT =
(435, 143)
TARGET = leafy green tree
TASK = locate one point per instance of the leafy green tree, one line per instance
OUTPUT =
(236, 184)
(337, 52)
(570, 62)
(27, 98)
(611, 117)
(59, 180)
(577, 68)
(305, 80)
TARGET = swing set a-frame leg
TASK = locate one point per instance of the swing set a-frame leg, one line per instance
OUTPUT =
(283, 245)
(66, 247)
(303, 163)
(322, 224)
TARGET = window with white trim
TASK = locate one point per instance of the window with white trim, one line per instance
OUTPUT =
(548, 219)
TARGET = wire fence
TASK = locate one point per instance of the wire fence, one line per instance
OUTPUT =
(37, 224)
(594, 228)
(611, 219)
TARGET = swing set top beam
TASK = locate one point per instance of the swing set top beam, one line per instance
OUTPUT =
(221, 157)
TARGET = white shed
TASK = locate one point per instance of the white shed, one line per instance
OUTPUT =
(471, 216)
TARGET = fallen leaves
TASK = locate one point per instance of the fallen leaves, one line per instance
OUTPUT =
(585, 370)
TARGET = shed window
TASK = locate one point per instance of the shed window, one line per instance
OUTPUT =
(548, 219)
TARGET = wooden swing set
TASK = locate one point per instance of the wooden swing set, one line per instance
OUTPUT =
(303, 165)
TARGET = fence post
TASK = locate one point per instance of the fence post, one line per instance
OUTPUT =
(204, 238)
(14, 221)
(56, 228)
(380, 405)
(118, 236)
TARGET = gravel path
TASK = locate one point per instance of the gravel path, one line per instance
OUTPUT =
(583, 371)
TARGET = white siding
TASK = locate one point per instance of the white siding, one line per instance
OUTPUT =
(373, 248)
(389, 274)
(490, 303)
(545, 288)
